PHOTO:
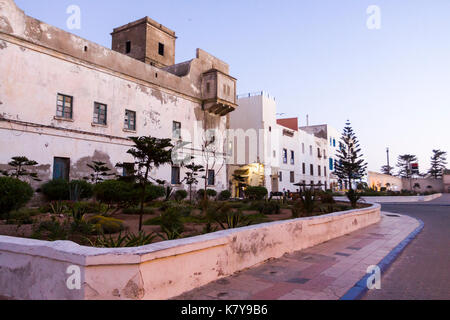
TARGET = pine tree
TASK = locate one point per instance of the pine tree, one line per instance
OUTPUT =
(387, 170)
(404, 164)
(438, 164)
(350, 165)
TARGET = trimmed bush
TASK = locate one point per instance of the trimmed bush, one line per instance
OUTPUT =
(210, 193)
(224, 195)
(256, 193)
(14, 194)
(55, 190)
(180, 195)
(326, 198)
(106, 225)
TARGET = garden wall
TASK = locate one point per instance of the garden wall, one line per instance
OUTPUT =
(32, 269)
(387, 199)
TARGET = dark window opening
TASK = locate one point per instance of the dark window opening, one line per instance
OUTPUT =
(175, 175)
(311, 170)
(128, 169)
(281, 176)
(161, 49)
(128, 47)
(304, 168)
(61, 168)
(292, 176)
(211, 178)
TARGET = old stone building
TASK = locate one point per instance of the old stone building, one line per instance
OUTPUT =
(66, 101)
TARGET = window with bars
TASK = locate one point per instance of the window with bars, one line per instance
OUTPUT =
(130, 120)
(292, 176)
(100, 112)
(64, 106)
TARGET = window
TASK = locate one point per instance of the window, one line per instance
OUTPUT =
(270, 129)
(130, 120)
(304, 168)
(274, 154)
(128, 47)
(310, 150)
(208, 87)
(334, 142)
(161, 49)
(324, 153)
(312, 183)
(100, 113)
(176, 130)
(331, 164)
(175, 175)
(311, 169)
(61, 168)
(292, 157)
(280, 175)
(284, 156)
(303, 148)
(324, 171)
(211, 178)
(128, 169)
(64, 106)
(319, 155)
(292, 176)
(319, 171)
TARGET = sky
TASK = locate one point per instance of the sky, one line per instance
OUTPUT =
(317, 57)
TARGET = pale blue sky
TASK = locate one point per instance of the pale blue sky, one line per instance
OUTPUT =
(316, 57)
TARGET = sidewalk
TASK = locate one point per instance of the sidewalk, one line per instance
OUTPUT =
(323, 272)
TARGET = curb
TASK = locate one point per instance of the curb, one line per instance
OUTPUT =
(360, 288)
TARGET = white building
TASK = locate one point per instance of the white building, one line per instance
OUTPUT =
(66, 101)
(272, 152)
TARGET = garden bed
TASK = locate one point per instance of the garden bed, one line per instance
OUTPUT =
(40, 223)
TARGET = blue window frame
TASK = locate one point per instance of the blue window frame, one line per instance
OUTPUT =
(331, 164)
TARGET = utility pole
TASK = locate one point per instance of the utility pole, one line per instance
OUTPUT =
(387, 151)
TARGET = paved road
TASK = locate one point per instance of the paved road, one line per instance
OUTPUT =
(422, 271)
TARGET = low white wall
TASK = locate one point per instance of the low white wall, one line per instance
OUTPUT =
(388, 199)
(32, 269)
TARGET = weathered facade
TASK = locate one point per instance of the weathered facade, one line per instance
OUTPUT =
(66, 101)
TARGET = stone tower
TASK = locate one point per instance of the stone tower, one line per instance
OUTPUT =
(147, 41)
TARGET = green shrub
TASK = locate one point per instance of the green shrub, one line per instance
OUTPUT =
(52, 230)
(21, 216)
(79, 189)
(307, 199)
(271, 207)
(137, 210)
(180, 195)
(172, 220)
(14, 194)
(115, 192)
(353, 197)
(55, 190)
(224, 195)
(256, 193)
(326, 198)
(226, 217)
(210, 193)
(106, 225)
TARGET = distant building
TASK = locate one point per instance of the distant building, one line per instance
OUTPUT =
(272, 152)
(66, 101)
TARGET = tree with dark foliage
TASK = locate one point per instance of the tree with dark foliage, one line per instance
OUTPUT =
(438, 164)
(148, 153)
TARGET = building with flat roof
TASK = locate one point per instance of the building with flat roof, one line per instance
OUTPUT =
(66, 101)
